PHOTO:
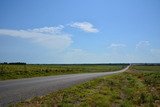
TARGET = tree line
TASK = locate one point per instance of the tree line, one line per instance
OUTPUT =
(14, 63)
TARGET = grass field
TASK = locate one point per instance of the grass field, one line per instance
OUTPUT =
(24, 71)
(145, 68)
(128, 89)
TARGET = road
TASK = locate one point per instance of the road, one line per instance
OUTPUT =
(12, 91)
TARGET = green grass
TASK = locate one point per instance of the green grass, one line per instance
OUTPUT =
(146, 68)
(26, 71)
(128, 89)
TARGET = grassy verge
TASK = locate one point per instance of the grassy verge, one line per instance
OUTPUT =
(128, 89)
(26, 71)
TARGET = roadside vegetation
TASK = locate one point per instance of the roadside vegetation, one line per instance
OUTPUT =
(128, 89)
(22, 70)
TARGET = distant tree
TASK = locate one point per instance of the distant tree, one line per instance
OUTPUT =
(17, 63)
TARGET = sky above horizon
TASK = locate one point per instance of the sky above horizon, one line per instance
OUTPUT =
(80, 31)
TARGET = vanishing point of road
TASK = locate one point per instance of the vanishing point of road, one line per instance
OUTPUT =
(12, 91)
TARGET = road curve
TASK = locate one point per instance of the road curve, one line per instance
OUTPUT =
(12, 91)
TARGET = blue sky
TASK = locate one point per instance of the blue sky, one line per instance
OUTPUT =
(80, 31)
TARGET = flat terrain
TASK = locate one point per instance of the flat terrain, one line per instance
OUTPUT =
(138, 87)
(35, 70)
(12, 91)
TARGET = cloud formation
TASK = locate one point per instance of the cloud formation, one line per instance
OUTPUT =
(142, 44)
(114, 45)
(85, 26)
(50, 30)
(51, 37)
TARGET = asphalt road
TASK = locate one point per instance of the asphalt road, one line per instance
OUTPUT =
(12, 91)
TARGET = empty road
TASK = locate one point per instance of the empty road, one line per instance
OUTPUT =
(12, 91)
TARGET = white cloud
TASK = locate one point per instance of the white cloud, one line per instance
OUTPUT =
(85, 26)
(142, 44)
(51, 37)
(114, 45)
(50, 30)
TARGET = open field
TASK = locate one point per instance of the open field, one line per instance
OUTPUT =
(25, 71)
(154, 68)
(128, 89)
